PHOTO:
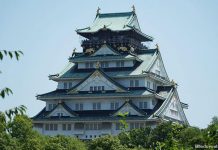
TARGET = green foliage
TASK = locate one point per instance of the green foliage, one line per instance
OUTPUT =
(122, 121)
(64, 143)
(6, 91)
(15, 111)
(11, 54)
(106, 143)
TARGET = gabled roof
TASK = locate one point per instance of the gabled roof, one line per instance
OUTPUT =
(65, 107)
(64, 93)
(104, 58)
(99, 72)
(112, 21)
(125, 21)
(160, 111)
(105, 50)
(129, 106)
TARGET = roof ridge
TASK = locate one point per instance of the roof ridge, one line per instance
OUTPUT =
(115, 14)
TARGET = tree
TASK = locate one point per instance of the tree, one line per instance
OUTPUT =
(11, 54)
(61, 142)
(106, 143)
(21, 129)
(211, 132)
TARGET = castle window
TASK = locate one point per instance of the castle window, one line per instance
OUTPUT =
(70, 85)
(135, 125)
(51, 127)
(104, 65)
(148, 84)
(97, 88)
(131, 83)
(143, 105)
(89, 65)
(64, 127)
(69, 127)
(55, 127)
(154, 86)
(79, 106)
(60, 114)
(51, 106)
(96, 106)
(134, 83)
(120, 63)
(153, 102)
(46, 126)
(91, 88)
(65, 85)
(92, 126)
(173, 112)
(114, 105)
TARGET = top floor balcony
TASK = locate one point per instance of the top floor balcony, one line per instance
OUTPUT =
(124, 41)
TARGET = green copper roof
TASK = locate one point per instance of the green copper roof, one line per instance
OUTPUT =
(71, 72)
(62, 93)
(124, 21)
(100, 58)
(113, 21)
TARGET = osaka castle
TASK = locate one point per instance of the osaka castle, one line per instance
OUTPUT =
(113, 73)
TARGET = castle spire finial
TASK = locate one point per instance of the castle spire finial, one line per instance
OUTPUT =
(98, 11)
(157, 46)
(74, 51)
(133, 9)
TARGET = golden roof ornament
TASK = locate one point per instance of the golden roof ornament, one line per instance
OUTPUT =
(97, 64)
(174, 83)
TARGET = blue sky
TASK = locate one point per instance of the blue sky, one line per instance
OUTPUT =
(186, 31)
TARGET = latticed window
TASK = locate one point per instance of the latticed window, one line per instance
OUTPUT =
(70, 85)
(120, 63)
(65, 85)
(134, 83)
(143, 105)
(79, 106)
(148, 84)
(92, 126)
(79, 126)
(96, 106)
(51, 127)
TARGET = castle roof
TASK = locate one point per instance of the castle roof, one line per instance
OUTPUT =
(125, 21)
(72, 71)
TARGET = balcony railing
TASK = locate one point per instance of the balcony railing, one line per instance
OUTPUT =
(115, 40)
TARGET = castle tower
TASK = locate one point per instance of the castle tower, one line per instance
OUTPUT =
(115, 73)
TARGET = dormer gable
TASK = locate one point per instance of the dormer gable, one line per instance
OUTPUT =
(61, 110)
(105, 50)
(97, 81)
(172, 108)
(129, 108)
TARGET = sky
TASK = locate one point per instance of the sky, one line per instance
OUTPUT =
(186, 32)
